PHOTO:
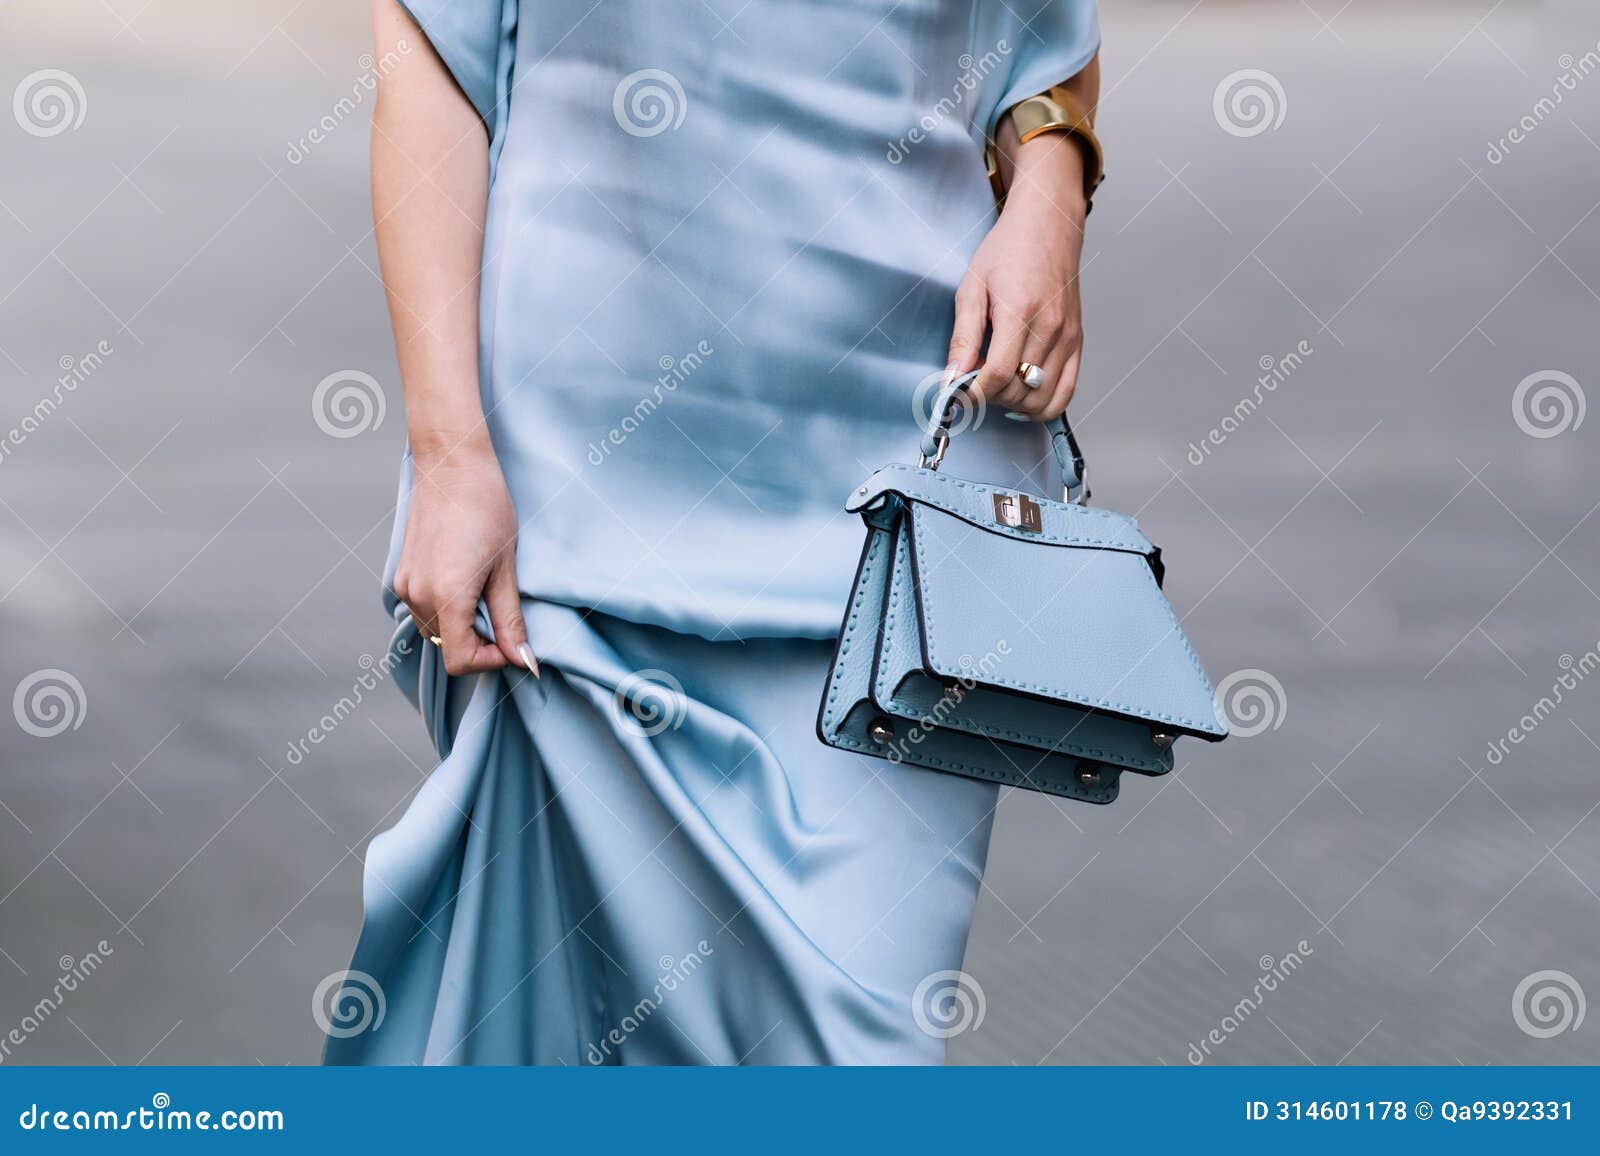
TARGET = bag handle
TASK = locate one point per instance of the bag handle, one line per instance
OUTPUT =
(1074, 473)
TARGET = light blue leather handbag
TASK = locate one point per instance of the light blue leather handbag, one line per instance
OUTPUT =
(1006, 637)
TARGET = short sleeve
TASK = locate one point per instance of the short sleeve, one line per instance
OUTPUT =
(1042, 42)
(476, 41)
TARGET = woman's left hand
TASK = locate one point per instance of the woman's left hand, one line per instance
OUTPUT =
(1023, 284)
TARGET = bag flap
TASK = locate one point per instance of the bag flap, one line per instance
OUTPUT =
(1073, 608)
(973, 502)
(901, 686)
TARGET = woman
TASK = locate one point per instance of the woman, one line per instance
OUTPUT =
(666, 282)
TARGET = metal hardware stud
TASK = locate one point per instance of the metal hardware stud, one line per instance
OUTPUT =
(1162, 739)
(881, 731)
(1089, 778)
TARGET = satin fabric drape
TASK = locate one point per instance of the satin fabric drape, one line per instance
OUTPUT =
(645, 856)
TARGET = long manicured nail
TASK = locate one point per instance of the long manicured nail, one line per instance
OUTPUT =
(525, 652)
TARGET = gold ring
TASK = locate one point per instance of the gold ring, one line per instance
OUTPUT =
(1032, 376)
(436, 640)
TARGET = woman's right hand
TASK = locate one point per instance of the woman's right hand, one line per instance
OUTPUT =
(460, 546)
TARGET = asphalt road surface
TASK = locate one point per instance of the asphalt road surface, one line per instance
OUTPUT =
(1395, 544)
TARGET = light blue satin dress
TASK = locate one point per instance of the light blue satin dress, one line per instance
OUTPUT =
(722, 244)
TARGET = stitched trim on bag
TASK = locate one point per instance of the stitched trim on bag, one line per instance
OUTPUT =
(1080, 696)
(837, 736)
(1037, 743)
(1143, 547)
(891, 600)
(971, 725)
(830, 719)
(934, 762)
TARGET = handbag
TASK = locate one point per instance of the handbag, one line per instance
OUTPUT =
(1005, 636)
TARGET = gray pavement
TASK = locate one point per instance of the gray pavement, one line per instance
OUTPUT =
(1382, 537)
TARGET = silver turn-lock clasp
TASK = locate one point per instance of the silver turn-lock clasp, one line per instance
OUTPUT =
(1017, 511)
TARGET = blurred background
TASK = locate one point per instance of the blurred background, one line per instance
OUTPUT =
(1390, 554)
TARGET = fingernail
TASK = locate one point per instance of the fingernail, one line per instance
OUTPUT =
(525, 652)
